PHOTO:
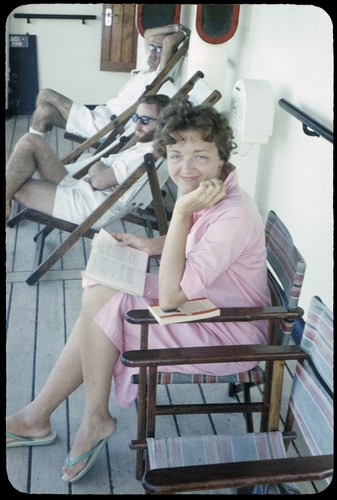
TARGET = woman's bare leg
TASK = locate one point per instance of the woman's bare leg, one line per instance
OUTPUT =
(98, 358)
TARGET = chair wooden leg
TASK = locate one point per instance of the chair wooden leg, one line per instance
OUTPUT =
(266, 396)
(276, 392)
(141, 410)
(139, 464)
(232, 390)
(248, 415)
(141, 423)
(45, 231)
(39, 239)
(149, 227)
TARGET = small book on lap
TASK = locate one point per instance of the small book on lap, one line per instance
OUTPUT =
(191, 310)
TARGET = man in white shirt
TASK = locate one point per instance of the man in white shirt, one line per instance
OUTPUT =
(57, 193)
(53, 108)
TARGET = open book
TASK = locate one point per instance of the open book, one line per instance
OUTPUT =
(190, 311)
(122, 268)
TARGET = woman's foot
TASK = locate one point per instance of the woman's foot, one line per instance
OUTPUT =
(88, 439)
(25, 424)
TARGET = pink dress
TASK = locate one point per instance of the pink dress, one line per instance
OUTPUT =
(226, 262)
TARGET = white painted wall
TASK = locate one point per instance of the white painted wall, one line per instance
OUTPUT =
(291, 46)
(68, 51)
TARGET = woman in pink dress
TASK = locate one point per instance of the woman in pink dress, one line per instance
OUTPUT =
(214, 248)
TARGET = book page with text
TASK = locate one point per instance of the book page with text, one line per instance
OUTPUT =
(123, 268)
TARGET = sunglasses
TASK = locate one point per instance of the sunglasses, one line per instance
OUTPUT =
(157, 48)
(144, 120)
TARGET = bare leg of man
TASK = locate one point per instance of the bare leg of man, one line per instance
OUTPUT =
(52, 109)
(31, 154)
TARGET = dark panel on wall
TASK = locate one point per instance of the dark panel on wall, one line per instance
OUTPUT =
(23, 76)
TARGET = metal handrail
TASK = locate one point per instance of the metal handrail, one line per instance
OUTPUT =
(310, 125)
(54, 16)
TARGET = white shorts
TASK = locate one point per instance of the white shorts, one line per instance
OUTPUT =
(86, 122)
(75, 200)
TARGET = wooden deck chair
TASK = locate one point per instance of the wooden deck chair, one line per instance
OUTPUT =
(157, 175)
(256, 460)
(195, 86)
(117, 124)
(116, 127)
(113, 129)
(285, 278)
(141, 199)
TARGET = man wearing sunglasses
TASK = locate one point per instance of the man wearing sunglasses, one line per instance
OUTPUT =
(57, 193)
(54, 109)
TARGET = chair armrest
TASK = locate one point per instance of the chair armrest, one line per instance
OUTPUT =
(143, 316)
(203, 477)
(214, 354)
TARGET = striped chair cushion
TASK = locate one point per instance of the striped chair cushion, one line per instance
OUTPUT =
(285, 259)
(313, 410)
(318, 339)
(254, 376)
(225, 448)
(312, 392)
(289, 266)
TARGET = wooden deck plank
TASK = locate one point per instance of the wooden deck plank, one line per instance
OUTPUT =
(51, 275)
(20, 345)
(20, 372)
(15, 128)
(24, 250)
(10, 251)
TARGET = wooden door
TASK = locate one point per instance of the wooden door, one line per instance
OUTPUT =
(119, 37)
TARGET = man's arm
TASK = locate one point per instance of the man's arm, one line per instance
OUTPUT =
(173, 33)
(116, 168)
(102, 176)
(170, 45)
(164, 31)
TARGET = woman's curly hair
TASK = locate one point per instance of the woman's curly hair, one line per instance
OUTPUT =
(180, 115)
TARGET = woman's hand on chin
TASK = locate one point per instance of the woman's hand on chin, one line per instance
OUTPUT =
(206, 195)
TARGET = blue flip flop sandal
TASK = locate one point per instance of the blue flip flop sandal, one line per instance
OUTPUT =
(30, 441)
(92, 454)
